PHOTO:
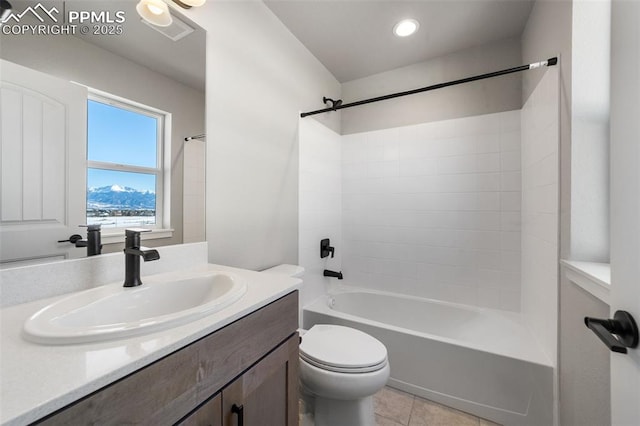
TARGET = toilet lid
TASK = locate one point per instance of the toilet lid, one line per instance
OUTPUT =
(342, 349)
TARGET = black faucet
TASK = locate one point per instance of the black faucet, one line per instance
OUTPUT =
(133, 251)
(93, 242)
(332, 274)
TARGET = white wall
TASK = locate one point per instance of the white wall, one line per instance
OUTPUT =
(320, 206)
(584, 361)
(433, 210)
(481, 97)
(195, 161)
(540, 186)
(259, 76)
(591, 55)
(625, 206)
(549, 32)
(72, 59)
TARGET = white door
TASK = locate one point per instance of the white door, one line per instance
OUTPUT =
(625, 201)
(43, 123)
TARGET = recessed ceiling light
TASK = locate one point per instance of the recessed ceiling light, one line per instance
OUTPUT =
(406, 27)
(155, 12)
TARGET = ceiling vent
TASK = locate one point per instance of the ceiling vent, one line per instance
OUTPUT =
(177, 30)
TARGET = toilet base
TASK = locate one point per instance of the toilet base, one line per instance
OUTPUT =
(335, 412)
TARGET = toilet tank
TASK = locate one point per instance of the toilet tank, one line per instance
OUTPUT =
(294, 271)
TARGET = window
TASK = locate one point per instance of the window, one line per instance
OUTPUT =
(125, 173)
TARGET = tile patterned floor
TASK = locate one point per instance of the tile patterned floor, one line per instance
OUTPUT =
(397, 408)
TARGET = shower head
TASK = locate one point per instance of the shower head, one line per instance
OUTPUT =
(334, 103)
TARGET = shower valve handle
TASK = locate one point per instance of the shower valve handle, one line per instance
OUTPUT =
(326, 249)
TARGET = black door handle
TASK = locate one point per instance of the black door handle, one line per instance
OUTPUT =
(618, 333)
(239, 410)
(72, 239)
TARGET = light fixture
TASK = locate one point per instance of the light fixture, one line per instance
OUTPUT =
(156, 12)
(5, 10)
(186, 4)
(406, 27)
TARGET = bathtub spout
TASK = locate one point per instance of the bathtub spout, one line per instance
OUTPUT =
(333, 274)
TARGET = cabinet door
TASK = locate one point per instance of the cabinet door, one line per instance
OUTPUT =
(208, 414)
(267, 393)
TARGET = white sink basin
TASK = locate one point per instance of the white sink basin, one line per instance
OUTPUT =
(113, 311)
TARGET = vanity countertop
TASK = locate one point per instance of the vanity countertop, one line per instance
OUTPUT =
(37, 380)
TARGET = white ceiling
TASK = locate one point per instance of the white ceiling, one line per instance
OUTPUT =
(354, 39)
(182, 60)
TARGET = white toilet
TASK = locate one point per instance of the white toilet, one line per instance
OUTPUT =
(294, 271)
(341, 368)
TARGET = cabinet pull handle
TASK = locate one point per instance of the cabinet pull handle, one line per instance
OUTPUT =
(239, 410)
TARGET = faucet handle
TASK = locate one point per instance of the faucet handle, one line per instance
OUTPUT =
(132, 237)
(136, 230)
(134, 233)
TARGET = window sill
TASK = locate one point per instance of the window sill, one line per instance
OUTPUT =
(118, 237)
(595, 278)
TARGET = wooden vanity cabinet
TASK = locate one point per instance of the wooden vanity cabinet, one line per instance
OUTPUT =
(208, 414)
(251, 364)
(265, 391)
(260, 396)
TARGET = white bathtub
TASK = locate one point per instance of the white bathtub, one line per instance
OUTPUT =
(481, 361)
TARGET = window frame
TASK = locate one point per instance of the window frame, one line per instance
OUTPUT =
(162, 170)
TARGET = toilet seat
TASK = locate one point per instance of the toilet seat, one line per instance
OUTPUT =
(342, 350)
(338, 369)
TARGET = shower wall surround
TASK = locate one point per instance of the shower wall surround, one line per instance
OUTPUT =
(540, 170)
(319, 206)
(433, 210)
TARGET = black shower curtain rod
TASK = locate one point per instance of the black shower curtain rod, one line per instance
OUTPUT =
(196, 137)
(339, 105)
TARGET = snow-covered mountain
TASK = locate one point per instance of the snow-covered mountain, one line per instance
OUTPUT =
(120, 197)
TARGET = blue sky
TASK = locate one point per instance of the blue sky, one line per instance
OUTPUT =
(119, 136)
